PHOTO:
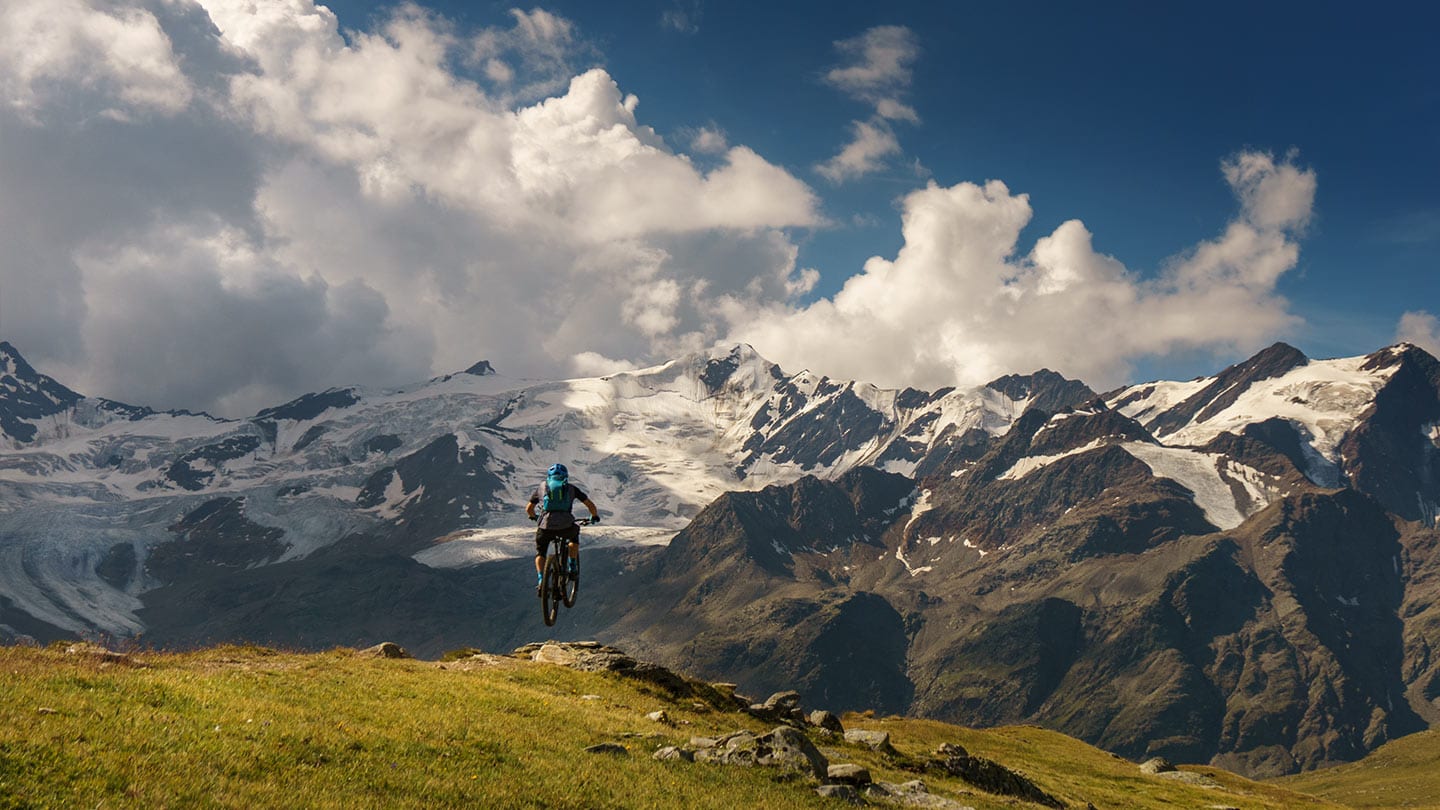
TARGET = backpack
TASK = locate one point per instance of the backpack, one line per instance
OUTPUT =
(559, 495)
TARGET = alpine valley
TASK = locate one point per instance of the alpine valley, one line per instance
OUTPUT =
(1240, 569)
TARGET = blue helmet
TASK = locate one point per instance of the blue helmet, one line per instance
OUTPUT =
(558, 471)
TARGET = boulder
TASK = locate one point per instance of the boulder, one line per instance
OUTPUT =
(783, 701)
(608, 748)
(385, 649)
(658, 717)
(1156, 765)
(789, 748)
(848, 774)
(911, 794)
(844, 793)
(874, 740)
(825, 720)
(671, 753)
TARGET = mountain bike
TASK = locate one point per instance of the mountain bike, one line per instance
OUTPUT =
(558, 586)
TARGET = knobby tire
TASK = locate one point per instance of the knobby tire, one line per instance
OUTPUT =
(568, 590)
(551, 589)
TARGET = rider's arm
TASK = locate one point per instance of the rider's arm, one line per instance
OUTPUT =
(530, 507)
(589, 504)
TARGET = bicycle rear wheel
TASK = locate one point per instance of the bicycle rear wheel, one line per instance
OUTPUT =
(569, 588)
(551, 589)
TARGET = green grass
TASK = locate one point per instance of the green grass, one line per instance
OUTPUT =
(1403, 773)
(249, 727)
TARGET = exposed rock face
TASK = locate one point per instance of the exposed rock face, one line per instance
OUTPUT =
(28, 395)
(991, 776)
(216, 536)
(1393, 455)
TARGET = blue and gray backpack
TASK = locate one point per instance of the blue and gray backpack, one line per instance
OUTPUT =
(559, 497)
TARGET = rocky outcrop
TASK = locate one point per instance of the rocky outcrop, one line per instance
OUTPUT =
(592, 656)
(990, 776)
(385, 649)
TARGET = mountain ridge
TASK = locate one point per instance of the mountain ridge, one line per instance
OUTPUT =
(1152, 569)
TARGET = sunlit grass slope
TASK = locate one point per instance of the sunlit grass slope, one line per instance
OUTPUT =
(248, 727)
(1403, 773)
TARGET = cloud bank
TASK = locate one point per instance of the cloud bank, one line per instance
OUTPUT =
(959, 305)
(221, 204)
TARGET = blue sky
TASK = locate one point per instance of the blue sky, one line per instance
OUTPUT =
(217, 204)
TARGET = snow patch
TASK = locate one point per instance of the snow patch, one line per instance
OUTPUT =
(1197, 472)
(922, 505)
(1028, 464)
(1325, 397)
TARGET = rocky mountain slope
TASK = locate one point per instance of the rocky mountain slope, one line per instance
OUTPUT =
(102, 502)
(1238, 569)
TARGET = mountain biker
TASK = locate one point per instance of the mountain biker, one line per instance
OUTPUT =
(557, 497)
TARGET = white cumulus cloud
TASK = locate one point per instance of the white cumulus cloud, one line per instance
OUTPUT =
(120, 53)
(1422, 329)
(959, 305)
(276, 208)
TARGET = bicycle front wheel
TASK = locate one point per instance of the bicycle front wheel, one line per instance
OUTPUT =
(569, 589)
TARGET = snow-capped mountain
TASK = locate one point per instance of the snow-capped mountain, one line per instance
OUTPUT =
(1238, 569)
(101, 501)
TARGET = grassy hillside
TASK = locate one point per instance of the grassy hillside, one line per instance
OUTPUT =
(250, 727)
(1403, 773)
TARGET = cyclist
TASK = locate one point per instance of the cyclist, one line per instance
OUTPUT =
(556, 497)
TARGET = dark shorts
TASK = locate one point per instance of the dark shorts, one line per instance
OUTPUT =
(542, 537)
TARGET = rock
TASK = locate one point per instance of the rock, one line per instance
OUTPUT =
(911, 794)
(1190, 778)
(783, 701)
(46, 710)
(592, 656)
(823, 719)
(658, 717)
(1156, 765)
(589, 697)
(671, 753)
(555, 654)
(947, 750)
(874, 740)
(785, 747)
(848, 774)
(790, 748)
(844, 793)
(991, 776)
(385, 649)
(101, 654)
(608, 748)
(738, 741)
